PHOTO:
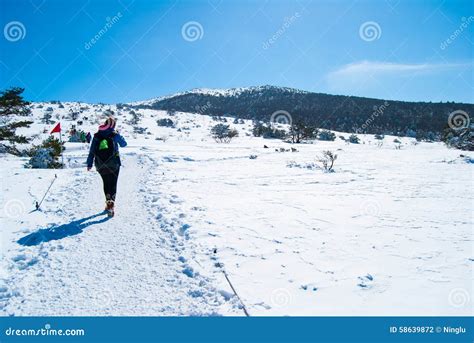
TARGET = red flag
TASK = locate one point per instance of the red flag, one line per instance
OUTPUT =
(57, 128)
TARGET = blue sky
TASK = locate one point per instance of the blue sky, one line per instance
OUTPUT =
(404, 50)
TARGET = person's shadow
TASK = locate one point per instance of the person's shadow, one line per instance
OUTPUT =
(58, 232)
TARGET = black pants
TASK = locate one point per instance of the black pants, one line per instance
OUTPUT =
(110, 178)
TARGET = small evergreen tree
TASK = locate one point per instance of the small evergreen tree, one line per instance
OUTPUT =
(12, 103)
(354, 139)
(300, 132)
(223, 133)
(326, 135)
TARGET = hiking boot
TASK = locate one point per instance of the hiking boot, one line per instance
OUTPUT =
(109, 205)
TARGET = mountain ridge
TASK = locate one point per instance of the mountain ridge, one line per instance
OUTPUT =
(335, 112)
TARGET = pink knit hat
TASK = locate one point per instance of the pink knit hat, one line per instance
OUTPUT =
(109, 123)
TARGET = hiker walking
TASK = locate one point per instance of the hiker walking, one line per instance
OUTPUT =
(104, 153)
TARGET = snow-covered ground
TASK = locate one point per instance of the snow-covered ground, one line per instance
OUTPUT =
(388, 233)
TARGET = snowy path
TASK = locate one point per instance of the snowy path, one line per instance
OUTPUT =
(389, 233)
(132, 264)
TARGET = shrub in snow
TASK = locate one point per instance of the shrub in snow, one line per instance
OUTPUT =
(136, 117)
(379, 137)
(326, 135)
(397, 141)
(139, 130)
(42, 158)
(300, 132)
(253, 157)
(223, 133)
(46, 119)
(166, 122)
(353, 139)
(327, 160)
(264, 130)
(460, 138)
(427, 136)
(47, 154)
(410, 133)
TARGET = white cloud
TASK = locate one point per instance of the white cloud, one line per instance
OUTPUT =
(366, 74)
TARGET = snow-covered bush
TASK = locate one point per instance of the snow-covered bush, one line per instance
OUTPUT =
(47, 154)
(379, 137)
(223, 133)
(353, 139)
(326, 135)
(42, 158)
(136, 117)
(266, 131)
(327, 160)
(460, 138)
(166, 122)
(139, 130)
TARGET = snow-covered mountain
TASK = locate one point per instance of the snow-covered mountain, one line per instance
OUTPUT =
(388, 233)
(336, 112)
(216, 92)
